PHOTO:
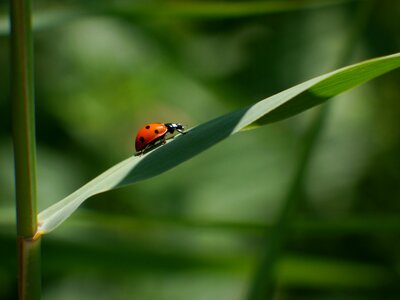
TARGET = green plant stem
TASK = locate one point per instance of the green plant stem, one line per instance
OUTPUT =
(24, 149)
(29, 275)
(264, 283)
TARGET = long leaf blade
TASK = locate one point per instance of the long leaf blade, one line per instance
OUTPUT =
(277, 107)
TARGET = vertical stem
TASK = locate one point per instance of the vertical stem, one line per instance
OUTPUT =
(263, 285)
(29, 277)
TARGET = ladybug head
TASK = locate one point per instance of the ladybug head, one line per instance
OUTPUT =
(175, 126)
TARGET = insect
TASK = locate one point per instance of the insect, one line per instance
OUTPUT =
(154, 134)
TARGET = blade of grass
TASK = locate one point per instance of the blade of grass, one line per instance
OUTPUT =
(264, 282)
(123, 224)
(49, 17)
(24, 149)
(65, 255)
(93, 220)
(204, 136)
(216, 9)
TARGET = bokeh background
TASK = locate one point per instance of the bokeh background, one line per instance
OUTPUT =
(105, 68)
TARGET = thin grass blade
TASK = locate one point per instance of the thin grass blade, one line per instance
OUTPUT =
(280, 106)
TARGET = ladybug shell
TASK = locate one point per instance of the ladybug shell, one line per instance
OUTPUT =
(149, 134)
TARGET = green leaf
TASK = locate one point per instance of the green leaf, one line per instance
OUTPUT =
(217, 9)
(280, 106)
(49, 17)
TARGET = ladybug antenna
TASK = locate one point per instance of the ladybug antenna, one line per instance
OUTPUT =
(180, 128)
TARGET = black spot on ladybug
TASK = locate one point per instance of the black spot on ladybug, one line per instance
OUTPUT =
(156, 131)
(147, 127)
(141, 139)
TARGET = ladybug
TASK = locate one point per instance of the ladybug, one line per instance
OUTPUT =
(153, 133)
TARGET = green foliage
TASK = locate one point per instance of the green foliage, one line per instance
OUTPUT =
(275, 210)
(204, 136)
(29, 269)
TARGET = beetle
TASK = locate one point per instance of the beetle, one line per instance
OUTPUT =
(153, 134)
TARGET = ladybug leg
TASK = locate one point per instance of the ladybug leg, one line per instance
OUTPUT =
(144, 150)
(147, 148)
(159, 142)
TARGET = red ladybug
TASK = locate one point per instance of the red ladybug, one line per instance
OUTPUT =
(152, 133)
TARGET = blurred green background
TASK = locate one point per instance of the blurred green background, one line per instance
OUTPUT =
(105, 68)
